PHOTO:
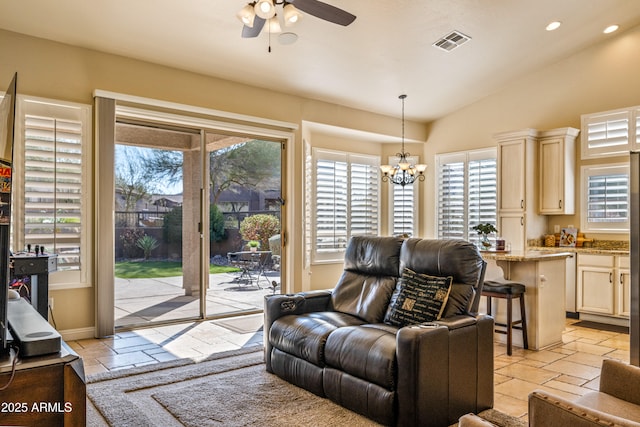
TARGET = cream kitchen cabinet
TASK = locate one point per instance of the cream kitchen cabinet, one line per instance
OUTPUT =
(557, 171)
(603, 287)
(518, 219)
(623, 298)
(512, 167)
(511, 225)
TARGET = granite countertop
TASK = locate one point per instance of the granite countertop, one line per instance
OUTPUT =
(529, 255)
(582, 250)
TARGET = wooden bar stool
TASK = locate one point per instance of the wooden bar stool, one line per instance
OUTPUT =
(508, 290)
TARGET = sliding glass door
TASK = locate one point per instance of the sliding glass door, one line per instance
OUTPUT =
(171, 265)
(156, 235)
(245, 206)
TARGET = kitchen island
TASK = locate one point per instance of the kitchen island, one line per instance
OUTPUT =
(544, 274)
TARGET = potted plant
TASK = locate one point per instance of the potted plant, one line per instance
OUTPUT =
(253, 245)
(484, 230)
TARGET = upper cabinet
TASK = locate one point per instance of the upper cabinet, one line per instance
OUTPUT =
(557, 171)
(512, 161)
(516, 167)
(518, 219)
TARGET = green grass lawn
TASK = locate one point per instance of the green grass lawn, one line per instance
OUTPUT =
(150, 269)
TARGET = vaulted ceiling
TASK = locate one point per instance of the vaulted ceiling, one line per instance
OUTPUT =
(388, 50)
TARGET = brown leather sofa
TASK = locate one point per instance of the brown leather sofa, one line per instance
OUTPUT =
(616, 403)
(335, 344)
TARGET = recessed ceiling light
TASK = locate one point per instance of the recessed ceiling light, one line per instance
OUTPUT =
(553, 25)
(287, 38)
(610, 29)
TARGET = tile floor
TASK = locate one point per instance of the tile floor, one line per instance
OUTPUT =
(569, 369)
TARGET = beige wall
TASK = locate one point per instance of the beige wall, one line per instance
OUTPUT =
(57, 71)
(600, 78)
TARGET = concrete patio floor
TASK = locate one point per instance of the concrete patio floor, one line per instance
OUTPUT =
(141, 301)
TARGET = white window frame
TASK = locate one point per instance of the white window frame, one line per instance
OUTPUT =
(337, 254)
(60, 110)
(462, 157)
(411, 191)
(601, 227)
(610, 133)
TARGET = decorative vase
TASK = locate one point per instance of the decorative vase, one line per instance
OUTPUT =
(485, 242)
(253, 248)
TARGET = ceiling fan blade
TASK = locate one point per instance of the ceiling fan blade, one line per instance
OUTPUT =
(324, 11)
(250, 32)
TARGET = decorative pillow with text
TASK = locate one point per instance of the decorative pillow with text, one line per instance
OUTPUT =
(421, 299)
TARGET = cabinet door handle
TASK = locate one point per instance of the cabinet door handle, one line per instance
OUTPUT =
(560, 204)
(621, 278)
(521, 204)
(522, 221)
(610, 277)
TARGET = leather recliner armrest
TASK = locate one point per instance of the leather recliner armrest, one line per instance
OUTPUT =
(462, 320)
(429, 356)
(276, 306)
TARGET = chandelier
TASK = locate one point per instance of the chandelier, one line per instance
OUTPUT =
(403, 173)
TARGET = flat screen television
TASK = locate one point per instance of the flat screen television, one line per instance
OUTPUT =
(7, 116)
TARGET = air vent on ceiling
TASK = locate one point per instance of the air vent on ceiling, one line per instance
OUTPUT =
(451, 41)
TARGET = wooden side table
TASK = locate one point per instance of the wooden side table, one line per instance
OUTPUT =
(46, 390)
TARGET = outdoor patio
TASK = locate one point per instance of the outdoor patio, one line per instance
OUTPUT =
(141, 301)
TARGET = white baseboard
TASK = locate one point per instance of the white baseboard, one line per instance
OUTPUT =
(78, 334)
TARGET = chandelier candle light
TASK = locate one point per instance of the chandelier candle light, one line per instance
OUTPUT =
(403, 173)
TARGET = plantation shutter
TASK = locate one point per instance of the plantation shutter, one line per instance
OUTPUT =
(637, 129)
(346, 201)
(331, 205)
(467, 192)
(605, 134)
(53, 184)
(451, 200)
(482, 192)
(607, 198)
(403, 204)
(364, 196)
(403, 221)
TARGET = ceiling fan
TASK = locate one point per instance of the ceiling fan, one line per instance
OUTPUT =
(255, 14)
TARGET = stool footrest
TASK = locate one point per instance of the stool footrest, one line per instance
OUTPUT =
(508, 291)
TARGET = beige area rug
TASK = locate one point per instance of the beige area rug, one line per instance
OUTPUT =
(227, 389)
(242, 324)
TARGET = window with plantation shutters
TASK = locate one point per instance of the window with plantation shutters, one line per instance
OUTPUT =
(346, 201)
(451, 199)
(467, 192)
(636, 129)
(53, 184)
(403, 205)
(605, 198)
(482, 195)
(610, 133)
(52, 210)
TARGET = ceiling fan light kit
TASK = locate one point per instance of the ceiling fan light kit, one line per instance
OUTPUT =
(247, 15)
(291, 15)
(265, 9)
(274, 25)
(255, 14)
